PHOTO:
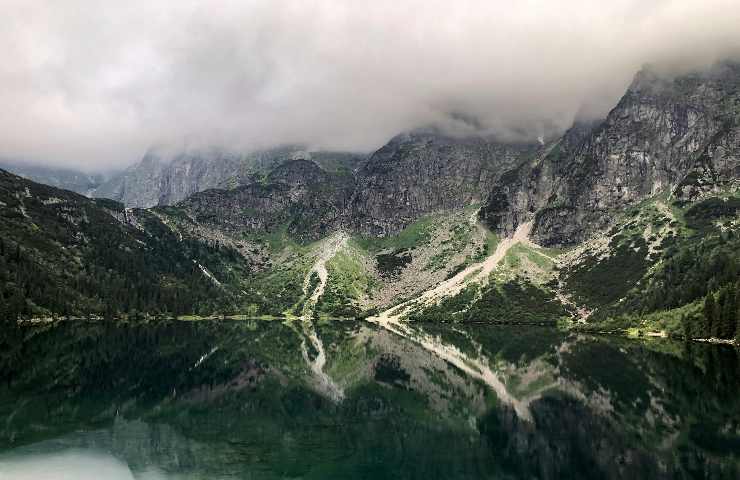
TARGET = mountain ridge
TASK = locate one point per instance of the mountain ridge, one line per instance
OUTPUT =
(616, 206)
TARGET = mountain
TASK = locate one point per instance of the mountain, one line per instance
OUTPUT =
(426, 171)
(158, 179)
(298, 195)
(628, 221)
(164, 179)
(62, 253)
(65, 178)
(665, 134)
(415, 174)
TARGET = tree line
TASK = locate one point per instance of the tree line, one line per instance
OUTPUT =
(719, 317)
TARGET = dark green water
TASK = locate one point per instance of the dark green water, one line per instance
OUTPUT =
(264, 400)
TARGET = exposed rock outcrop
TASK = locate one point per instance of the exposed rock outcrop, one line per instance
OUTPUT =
(426, 171)
(159, 180)
(666, 134)
(413, 175)
(299, 195)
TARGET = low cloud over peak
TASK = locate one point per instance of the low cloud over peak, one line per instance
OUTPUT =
(92, 84)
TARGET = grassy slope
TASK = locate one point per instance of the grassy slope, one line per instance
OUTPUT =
(518, 290)
(650, 271)
(349, 284)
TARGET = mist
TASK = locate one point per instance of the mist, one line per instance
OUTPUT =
(92, 85)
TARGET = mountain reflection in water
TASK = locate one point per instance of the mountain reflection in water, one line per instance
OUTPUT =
(259, 399)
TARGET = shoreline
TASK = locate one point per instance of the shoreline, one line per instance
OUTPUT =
(632, 333)
(662, 334)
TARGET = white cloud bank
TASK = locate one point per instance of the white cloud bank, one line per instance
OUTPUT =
(92, 84)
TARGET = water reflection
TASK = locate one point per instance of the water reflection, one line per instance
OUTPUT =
(358, 400)
(69, 465)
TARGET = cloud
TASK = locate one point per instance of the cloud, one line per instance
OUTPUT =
(92, 84)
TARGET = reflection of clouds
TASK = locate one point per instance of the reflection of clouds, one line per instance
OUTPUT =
(70, 465)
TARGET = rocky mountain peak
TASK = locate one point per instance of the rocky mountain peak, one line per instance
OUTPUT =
(658, 134)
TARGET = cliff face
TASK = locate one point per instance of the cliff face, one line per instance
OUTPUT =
(161, 181)
(299, 195)
(422, 172)
(676, 135)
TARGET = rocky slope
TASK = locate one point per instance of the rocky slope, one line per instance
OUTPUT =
(298, 196)
(426, 171)
(158, 180)
(665, 134)
(415, 174)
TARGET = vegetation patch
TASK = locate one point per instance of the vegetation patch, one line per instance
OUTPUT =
(390, 264)
(348, 285)
(414, 235)
(511, 302)
(599, 282)
(703, 215)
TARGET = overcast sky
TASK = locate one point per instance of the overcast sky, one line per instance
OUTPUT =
(92, 84)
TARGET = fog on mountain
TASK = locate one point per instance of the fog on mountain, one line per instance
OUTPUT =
(94, 85)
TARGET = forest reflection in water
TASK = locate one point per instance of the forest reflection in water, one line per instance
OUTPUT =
(268, 399)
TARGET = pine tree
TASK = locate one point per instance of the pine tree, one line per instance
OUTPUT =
(737, 312)
(716, 331)
(728, 314)
(721, 313)
(687, 334)
(709, 315)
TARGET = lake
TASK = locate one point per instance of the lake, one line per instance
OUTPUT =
(269, 400)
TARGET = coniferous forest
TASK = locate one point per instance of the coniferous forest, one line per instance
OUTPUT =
(62, 254)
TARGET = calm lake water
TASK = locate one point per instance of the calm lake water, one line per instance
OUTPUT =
(267, 400)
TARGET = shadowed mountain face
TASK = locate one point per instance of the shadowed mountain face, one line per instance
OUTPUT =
(220, 399)
(414, 175)
(298, 195)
